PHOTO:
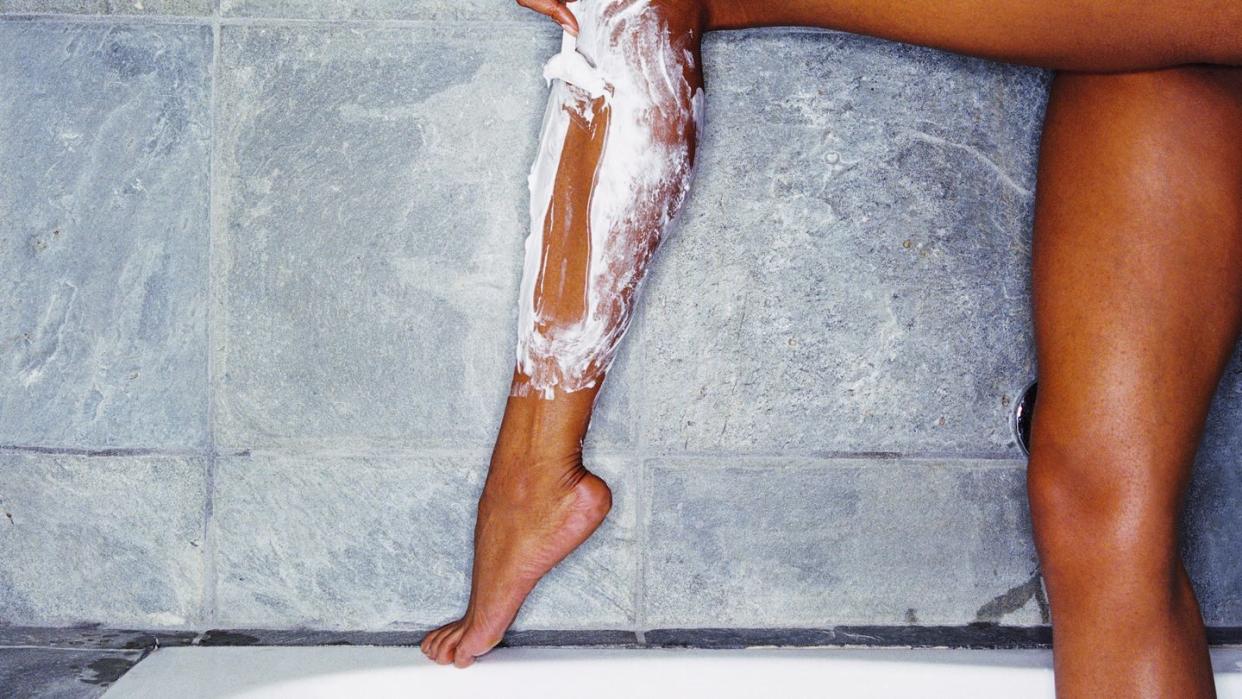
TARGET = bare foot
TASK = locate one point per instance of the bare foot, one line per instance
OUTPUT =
(527, 523)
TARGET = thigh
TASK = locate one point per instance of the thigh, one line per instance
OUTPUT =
(1066, 34)
(1137, 271)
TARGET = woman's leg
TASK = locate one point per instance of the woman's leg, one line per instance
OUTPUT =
(1138, 304)
(1088, 35)
(614, 168)
(583, 268)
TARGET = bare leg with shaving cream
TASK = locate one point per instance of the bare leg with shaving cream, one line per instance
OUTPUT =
(615, 161)
(1136, 294)
(614, 166)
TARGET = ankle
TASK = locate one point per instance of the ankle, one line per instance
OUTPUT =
(538, 471)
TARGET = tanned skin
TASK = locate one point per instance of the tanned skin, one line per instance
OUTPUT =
(1137, 299)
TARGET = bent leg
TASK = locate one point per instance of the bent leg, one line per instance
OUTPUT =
(1138, 304)
(614, 166)
(1085, 35)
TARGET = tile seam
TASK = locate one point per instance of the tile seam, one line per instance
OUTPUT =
(694, 460)
(34, 450)
(472, 452)
(105, 19)
(640, 575)
(73, 650)
(207, 608)
(642, 445)
(216, 19)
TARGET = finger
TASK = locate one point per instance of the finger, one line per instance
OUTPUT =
(554, 9)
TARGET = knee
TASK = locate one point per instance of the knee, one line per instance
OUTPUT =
(681, 13)
(1098, 513)
(619, 15)
(1167, 91)
(566, 358)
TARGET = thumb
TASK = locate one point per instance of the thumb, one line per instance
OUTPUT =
(554, 9)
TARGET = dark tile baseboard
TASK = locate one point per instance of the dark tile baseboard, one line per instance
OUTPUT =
(971, 636)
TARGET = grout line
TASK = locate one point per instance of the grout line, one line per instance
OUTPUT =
(216, 19)
(72, 451)
(207, 606)
(673, 458)
(207, 609)
(792, 459)
(154, 19)
(472, 454)
(411, 23)
(78, 649)
(640, 574)
(642, 502)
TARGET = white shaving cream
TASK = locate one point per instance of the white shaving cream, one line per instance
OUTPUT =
(623, 54)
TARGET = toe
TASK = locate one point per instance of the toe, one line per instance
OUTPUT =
(462, 659)
(437, 640)
(472, 646)
(425, 644)
(448, 647)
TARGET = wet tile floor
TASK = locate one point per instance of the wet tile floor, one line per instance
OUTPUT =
(62, 673)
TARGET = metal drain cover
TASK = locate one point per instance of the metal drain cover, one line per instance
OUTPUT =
(1023, 410)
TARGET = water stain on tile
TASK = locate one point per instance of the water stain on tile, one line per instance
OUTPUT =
(221, 637)
(105, 671)
(1014, 599)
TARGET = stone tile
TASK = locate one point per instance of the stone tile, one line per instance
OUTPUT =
(374, 189)
(852, 269)
(375, 543)
(93, 636)
(48, 673)
(973, 636)
(826, 543)
(1224, 635)
(109, 7)
(307, 637)
(1213, 520)
(315, 637)
(439, 10)
(569, 639)
(103, 235)
(93, 539)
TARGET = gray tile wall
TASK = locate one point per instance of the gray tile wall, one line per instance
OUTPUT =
(260, 259)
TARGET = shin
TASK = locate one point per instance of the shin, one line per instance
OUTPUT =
(614, 166)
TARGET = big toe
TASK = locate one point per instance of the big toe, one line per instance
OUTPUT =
(472, 645)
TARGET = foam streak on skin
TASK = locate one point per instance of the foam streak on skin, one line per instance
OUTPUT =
(624, 55)
(572, 68)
